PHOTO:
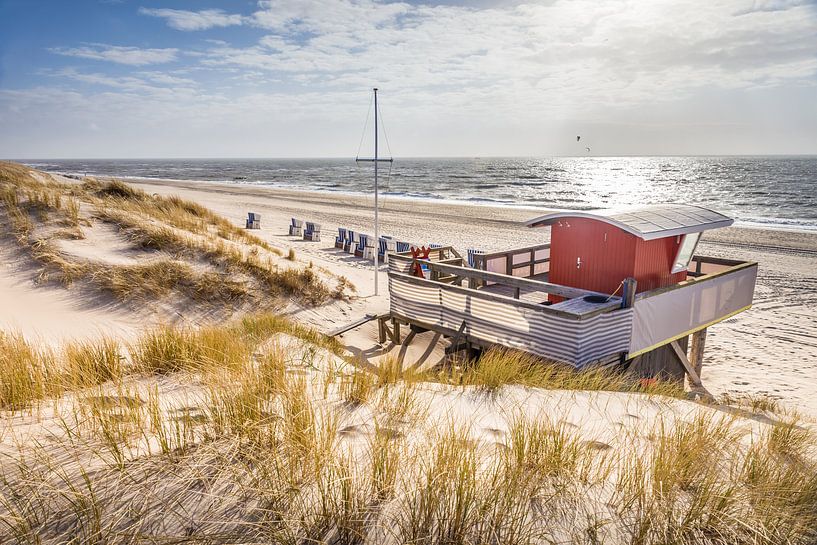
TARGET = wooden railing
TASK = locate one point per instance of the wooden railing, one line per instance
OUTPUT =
(509, 262)
(451, 271)
(702, 265)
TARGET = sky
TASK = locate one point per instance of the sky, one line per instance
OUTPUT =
(274, 78)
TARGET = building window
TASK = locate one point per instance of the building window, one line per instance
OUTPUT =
(685, 252)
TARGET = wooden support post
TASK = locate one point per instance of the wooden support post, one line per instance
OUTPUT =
(532, 264)
(516, 292)
(455, 342)
(628, 295)
(381, 331)
(396, 330)
(694, 379)
(696, 350)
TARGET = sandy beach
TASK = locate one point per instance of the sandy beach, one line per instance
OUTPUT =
(770, 349)
(147, 339)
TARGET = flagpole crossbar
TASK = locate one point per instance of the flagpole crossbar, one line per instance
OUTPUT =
(374, 160)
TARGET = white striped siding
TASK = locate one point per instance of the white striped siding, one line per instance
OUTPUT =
(577, 342)
(399, 265)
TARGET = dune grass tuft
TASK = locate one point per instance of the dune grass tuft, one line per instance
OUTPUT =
(499, 367)
(257, 456)
(240, 268)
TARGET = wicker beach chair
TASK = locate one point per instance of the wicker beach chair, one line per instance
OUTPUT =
(471, 253)
(383, 248)
(253, 220)
(340, 241)
(296, 228)
(402, 247)
(361, 244)
(351, 240)
(369, 248)
(312, 232)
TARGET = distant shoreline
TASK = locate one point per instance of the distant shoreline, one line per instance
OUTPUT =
(487, 203)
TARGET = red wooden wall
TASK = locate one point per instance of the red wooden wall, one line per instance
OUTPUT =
(608, 256)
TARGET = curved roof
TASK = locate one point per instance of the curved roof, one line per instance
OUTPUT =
(647, 222)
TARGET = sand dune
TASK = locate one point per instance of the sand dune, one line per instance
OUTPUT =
(253, 428)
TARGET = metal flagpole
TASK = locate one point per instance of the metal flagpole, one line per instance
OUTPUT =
(375, 160)
(376, 224)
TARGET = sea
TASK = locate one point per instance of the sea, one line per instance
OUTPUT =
(773, 191)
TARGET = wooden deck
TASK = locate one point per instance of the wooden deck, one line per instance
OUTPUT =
(485, 307)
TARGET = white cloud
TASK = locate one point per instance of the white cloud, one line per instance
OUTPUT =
(132, 56)
(467, 80)
(194, 20)
(563, 58)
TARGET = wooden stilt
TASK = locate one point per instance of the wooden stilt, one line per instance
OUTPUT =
(381, 331)
(696, 350)
(410, 337)
(694, 379)
(396, 330)
(456, 345)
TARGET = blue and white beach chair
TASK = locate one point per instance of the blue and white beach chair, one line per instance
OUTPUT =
(351, 239)
(471, 253)
(253, 220)
(361, 244)
(403, 247)
(369, 248)
(433, 245)
(313, 232)
(296, 228)
(340, 241)
(383, 248)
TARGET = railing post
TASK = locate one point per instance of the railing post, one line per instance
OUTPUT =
(532, 264)
(696, 350)
(629, 287)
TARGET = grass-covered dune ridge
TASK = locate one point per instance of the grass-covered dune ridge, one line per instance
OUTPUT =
(173, 247)
(261, 431)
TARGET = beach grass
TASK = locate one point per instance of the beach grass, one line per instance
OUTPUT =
(261, 430)
(239, 268)
(262, 447)
(500, 367)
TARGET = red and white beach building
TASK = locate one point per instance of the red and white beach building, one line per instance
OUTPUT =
(612, 286)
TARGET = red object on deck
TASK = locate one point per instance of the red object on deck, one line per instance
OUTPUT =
(417, 254)
(595, 255)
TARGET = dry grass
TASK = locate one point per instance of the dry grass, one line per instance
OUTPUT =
(258, 455)
(30, 374)
(500, 367)
(238, 269)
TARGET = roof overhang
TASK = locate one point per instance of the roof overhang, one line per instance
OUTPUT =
(647, 222)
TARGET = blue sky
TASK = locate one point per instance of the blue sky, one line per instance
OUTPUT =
(163, 78)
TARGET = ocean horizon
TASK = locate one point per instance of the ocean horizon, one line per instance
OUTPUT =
(772, 191)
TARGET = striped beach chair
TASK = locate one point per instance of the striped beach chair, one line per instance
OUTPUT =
(471, 253)
(351, 240)
(433, 245)
(369, 248)
(340, 241)
(296, 228)
(361, 245)
(383, 248)
(403, 247)
(253, 220)
(312, 232)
